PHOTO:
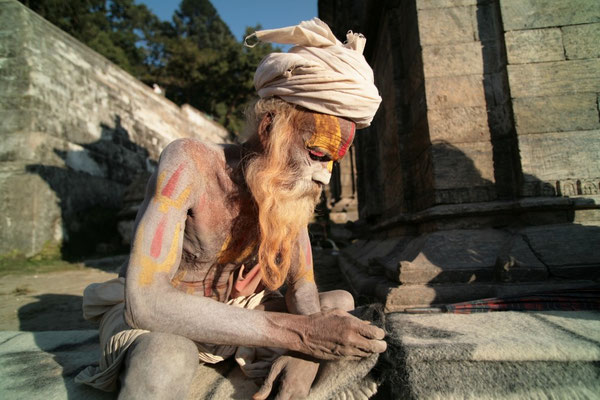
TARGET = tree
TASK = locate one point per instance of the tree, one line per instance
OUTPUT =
(194, 57)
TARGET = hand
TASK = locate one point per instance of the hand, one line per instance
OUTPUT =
(334, 334)
(296, 377)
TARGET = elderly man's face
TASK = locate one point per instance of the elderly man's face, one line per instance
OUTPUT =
(326, 139)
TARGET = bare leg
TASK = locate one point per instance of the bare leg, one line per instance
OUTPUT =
(333, 299)
(159, 366)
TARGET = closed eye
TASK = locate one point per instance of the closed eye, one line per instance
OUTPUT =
(318, 156)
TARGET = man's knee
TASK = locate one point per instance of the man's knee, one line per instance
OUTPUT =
(165, 348)
(337, 299)
(159, 365)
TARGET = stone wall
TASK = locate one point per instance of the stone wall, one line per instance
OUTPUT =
(479, 175)
(554, 75)
(76, 130)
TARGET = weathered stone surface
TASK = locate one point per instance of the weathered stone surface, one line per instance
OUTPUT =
(451, 256)
(534, 46)
(468, 164)
(529, 14)
(581, 41)
(408, 296)
(75, 130)
(569, 250)
(577, 112)
(446, 25)
(458, 125)
(554, 78)
(453, 59)
(558, 156)
(517, 263)
(427, 4)
(455, 91)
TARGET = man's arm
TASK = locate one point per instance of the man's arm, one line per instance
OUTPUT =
(153, 304)
(302, 296)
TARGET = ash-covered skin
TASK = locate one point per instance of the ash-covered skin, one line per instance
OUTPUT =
(195, 247)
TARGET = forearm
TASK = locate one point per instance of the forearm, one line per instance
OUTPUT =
(207, 321)
(303, 298)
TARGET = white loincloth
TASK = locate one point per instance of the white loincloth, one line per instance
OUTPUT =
(104, 302)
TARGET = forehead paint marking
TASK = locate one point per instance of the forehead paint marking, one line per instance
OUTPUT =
(328, 135)
(345, 146)
(148, 265)
(332, 134)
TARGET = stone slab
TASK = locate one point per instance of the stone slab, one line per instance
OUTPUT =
(462, 165)
(427, 4)
(572, 112)
(517, 263)
(453, 59)
(455, 91)
(581, 41)
(401, 297)
(554, 78)
(559, 156)
(530, 14)
(459, 124)
(537, 45)
(569, 250)
(446, 25)
(451, 256)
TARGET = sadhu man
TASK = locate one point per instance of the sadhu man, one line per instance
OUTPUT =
(222, 227)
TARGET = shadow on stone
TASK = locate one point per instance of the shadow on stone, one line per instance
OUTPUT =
(89, 189)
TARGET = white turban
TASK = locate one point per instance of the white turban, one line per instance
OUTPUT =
(319, 73)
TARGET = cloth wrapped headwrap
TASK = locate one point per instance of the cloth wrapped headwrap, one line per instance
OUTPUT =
(319, 72)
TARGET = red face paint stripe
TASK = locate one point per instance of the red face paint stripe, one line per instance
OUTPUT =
(344, 148)
(158, 239)
(170, 186)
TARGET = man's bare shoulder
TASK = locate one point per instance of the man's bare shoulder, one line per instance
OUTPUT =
(196, 154)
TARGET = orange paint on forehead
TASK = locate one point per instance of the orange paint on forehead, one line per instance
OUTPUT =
(332, 134)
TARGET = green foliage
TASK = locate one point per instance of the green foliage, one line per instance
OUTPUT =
(194, 57)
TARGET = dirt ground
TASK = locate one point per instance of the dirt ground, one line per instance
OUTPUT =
(47, 301)
(52, 301)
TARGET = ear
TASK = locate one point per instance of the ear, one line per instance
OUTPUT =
(264, 129)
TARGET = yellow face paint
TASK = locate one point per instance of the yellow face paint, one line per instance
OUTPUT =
(330, 166)
(332, 135)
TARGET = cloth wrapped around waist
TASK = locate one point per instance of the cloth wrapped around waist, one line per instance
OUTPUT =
(104, 303)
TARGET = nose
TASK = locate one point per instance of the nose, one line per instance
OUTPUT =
(323, 174)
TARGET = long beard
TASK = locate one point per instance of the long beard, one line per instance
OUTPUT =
(285, 207)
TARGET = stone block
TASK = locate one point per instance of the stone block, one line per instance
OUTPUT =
(517, 263)
(428, 4)
(558, 156)
(446, 25)
(463, 165)
(453, 59)
(537, 45)
(458, 256)
(556, 113)
(569, 250)
(530, 14)
(581, 41)
(402, 297)
(455, 91)
(554, 78)
(30, 216)
(458, 125)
